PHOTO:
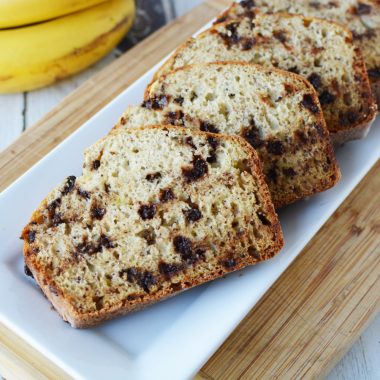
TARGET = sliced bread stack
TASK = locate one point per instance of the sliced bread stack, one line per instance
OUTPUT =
(277, 112)
(161, 208)
(362, 17)
(320, 51)
(156, 211)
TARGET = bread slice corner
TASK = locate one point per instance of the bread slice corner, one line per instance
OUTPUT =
(157, 210)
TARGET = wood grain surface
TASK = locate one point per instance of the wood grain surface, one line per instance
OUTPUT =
(312, 314)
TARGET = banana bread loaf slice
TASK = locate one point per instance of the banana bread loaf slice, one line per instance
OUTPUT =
(277, 112)
(362, 17)
(319, 50)
(156, 211)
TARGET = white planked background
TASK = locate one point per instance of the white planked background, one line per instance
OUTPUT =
(20, 111)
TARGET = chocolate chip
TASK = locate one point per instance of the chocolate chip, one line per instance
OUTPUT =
(158, 102)
(294, 69)
(221, 19)
(97, 212)
(326, 98)
(275, 147)
(252, 135)
(229, 263)
(301, 137)
(193, 214)
(70, 182)
(247, 43)
(31, 236)
(184, 247)
(175, 118)
(369, 33)
(349, 117)
(27, 271)
(153, 176)
(166, 195)
(146, 280)
(105, 242)
(86, 247)
(374, 73)
(84, 194)
(123, 121)
(208, 127)
(168, 270)
(315, 5)
(107, 187)
(198, 170)
(308, 102)
(289, 172)
(272, 175)
(132, 274)
(53, 205)
(264, 219)
(95, 164)
(189, 141)
(315, 80)
(363, 9)
(199, 254)
(57, 219)
(213, 142)
(232, 37)
(280, 35)
(147, 211)
(179, 100)
(247, 4)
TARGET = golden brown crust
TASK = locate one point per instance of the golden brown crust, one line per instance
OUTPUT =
(86, 319)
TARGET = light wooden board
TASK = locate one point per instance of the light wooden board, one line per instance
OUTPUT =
(313, 313)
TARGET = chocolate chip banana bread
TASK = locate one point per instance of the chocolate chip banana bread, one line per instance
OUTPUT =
(277, 112)
(362, 17)
(319, 50)
(156, 211)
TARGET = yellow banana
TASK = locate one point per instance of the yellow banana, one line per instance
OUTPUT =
(37, 55)
(22, 12)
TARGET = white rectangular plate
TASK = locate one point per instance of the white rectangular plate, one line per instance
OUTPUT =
(170, 340)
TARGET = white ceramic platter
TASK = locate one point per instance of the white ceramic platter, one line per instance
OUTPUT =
(172, 339)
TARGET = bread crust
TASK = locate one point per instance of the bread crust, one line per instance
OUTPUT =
(62, 303)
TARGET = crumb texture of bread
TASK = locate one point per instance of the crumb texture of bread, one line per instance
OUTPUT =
(157, 210)
(321, 51)
(362, 17)
(277, 112)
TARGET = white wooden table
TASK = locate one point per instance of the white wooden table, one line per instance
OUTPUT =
(20, 111)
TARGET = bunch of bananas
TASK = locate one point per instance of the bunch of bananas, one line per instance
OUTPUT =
(42, 41)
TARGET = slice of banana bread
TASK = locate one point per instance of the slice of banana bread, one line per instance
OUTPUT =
(362, 17)
(156, 211)
(319, 50)
(277, 112)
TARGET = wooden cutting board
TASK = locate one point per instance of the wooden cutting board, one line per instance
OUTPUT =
(311, 315)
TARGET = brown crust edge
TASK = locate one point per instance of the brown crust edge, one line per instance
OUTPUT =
(375, 87)
(77, 320)
(360, 129)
